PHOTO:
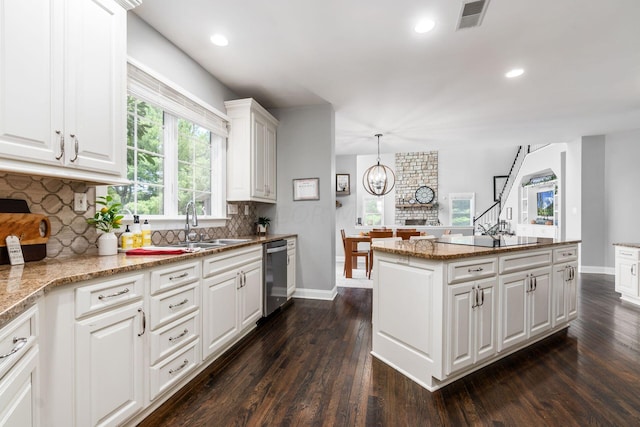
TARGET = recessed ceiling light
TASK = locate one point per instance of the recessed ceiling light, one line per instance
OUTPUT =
(424, 26)
(516, 72)
(219, 40)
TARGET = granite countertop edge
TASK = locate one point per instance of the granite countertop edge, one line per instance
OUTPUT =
(25, 284)
(628, 245)
(431, 250)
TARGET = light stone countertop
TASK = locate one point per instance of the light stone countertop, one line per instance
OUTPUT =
(22, 285)
(628, 245)
(431, 249)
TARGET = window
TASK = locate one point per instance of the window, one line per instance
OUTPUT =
(461, 209)
(175, 152)
(373, 213)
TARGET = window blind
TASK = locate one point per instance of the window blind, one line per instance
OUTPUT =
(143, 85)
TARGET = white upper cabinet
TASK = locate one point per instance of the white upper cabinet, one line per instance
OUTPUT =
(63, 89)
(251, 154)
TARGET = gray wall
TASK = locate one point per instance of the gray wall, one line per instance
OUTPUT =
(305, 149)
(147, 46)
(622, 197)
(593, 201)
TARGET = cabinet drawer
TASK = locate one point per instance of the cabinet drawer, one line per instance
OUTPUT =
(108, 293)
(291, 244)
(172, 305)
(174, 336)
(569, 253)
(524, 260)
(174, 276)
(16, 338)
(224, 261)
(627, 252)
(473, 269)
(166, 374)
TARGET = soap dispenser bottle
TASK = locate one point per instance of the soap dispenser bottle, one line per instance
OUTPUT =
(146, 233)
(137, 232)
(126, 239)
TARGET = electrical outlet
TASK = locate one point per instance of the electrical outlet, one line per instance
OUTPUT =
(246, 209)
(80, 202)
(232, 209)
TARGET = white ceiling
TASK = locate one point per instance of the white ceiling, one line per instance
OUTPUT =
(442, 89)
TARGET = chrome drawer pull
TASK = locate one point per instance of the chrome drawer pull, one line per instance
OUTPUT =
(117, 294)
(144, 322)
(186, 331)
(179, 304)
(474, 270)
(185, 274)
(20, 342)
(179, 368)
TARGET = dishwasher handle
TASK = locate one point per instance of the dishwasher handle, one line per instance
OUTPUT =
(274, 250)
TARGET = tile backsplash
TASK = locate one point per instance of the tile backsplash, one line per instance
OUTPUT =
(70, 233)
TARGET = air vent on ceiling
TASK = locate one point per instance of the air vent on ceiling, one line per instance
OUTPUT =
(472, 13)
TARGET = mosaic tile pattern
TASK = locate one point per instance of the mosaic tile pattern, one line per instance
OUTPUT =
(70, 233)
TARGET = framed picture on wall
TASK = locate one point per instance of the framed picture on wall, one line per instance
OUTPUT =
(306, 189)
(343, 185)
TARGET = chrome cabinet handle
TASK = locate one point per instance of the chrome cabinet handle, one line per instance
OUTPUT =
(183, 302)
(179, 276)
(632, 269)
(20, 342)
(535, 283)
(177, 337)
(61, 144)
(76, 147)
(482, 296)
(117, 294)
(144, 322)
(529, 283)
(238, 280)
(179, 368)
(474, 270)
(288, 260)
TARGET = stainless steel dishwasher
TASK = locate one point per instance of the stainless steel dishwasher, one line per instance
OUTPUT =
(275, 275)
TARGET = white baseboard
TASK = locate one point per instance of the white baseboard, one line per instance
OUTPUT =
(590, 269)
(316, 294)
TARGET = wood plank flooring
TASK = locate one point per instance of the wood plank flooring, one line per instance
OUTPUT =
(310, 366)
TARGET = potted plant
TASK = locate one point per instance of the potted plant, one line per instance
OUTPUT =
(107, 219)
(263, 223)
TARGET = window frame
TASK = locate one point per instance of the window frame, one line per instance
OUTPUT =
(364, 209)
(462, 196)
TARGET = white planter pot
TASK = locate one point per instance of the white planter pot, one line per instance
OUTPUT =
(108, 244)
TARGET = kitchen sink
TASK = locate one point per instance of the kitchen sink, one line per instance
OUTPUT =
(210, 244)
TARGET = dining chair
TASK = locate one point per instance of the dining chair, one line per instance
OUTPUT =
(378, 239)
(354, 254)
(406, 234)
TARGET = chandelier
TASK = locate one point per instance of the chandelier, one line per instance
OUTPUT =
(379, 179)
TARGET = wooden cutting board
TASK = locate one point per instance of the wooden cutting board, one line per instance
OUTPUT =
(31, 229)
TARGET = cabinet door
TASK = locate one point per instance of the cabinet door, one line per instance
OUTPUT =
(291, 272)
(110, 366)
(486, 321)
(461, 305)
(31, 64)
(258, 167)
(270, 162)
(251, 294)
(513, 305)
(572, 291)
(560, 276)
(540, 302)
(220, 311)
(627, 276)
(95, 94)
(19, 393)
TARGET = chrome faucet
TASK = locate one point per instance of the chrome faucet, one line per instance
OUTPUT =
(194, 221)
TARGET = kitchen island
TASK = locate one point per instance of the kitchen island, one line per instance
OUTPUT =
(447, 307)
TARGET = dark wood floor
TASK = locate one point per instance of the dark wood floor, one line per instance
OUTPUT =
(310, 366)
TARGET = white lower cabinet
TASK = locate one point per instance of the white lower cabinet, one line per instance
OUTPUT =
(232, 301)
(627, 282)
(525, 304)
(565, 288)
(471, 326)
(291, 266)
(19, 371)
(110, 366)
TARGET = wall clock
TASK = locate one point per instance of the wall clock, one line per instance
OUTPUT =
(425, 194)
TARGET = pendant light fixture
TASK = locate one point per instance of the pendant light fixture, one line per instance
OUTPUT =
(379, 179)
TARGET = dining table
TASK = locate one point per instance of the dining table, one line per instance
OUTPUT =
(351, 242)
